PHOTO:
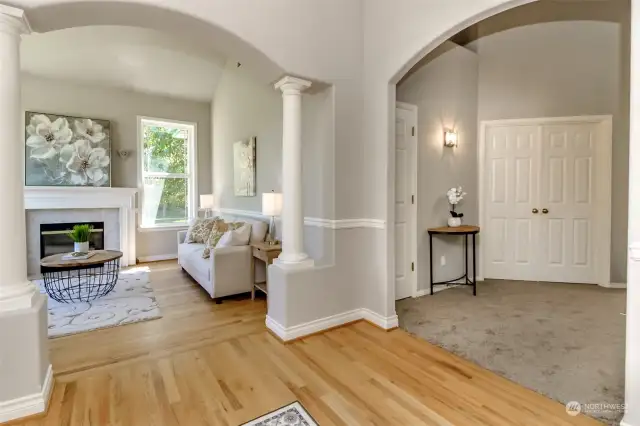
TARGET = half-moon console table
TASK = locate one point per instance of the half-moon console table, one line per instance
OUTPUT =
(465, 231)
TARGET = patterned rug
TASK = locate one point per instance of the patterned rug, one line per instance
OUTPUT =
(131, 300)
(290, 415)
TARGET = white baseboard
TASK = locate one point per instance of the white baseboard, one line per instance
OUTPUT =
(301, 330)
(157, 258)
(614, 285)
(28, 405)
(386, 323)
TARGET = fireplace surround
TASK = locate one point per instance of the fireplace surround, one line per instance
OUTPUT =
(115, 207)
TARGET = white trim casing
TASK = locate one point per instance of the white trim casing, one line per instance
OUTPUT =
(29, 405)
(123, 199)
(413, 220)
(311, 327)
(157, 258)
(603, 214)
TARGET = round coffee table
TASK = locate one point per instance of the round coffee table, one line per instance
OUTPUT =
(80, 280)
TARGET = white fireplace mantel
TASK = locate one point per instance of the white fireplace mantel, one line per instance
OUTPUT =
(123, 199)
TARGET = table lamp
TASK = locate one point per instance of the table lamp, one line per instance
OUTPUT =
(272, 206)
(206, 204)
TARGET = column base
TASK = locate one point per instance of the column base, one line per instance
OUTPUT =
(298, 264)
(20, 296)
(25, 370)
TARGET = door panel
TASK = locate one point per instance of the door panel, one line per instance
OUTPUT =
(567, 192)
(405, 228)
(511, 155)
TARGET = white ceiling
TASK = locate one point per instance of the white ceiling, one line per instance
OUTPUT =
(130, 58)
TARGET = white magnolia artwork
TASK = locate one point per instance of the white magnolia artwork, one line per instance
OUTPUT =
(67, 151)
(244, 168)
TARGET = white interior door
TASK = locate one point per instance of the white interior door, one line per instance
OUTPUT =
(405, 212)
(511, 193)
(568, 203)
(546, 199)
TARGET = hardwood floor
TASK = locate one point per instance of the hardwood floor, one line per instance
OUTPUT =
(208, 364)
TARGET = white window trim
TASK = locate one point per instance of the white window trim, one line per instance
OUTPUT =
(192, 155)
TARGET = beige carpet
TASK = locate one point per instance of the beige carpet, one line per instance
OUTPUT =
(565, 341)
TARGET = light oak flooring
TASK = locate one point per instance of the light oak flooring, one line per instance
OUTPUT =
(208, 364)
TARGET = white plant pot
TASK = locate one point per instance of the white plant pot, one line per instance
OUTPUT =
(81, 247)
(454, 222)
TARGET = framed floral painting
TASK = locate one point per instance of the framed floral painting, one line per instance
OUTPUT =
(66, 151)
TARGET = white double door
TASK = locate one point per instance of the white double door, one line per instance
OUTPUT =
(546, 199)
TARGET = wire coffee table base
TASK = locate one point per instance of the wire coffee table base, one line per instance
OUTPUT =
(81, 283)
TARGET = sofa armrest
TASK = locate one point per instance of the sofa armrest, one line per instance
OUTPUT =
(231, 270)
(182, 236)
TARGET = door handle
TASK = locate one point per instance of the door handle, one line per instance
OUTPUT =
(545, 211)
(534, 211)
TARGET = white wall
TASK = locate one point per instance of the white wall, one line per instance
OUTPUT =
(121, 108)
(445, 90)
(556, 69)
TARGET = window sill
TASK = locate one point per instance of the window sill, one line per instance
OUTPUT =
(173, 228)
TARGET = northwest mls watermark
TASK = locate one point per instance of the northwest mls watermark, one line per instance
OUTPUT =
(574, 408)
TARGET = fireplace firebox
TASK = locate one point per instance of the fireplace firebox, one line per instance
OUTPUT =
(54, 238)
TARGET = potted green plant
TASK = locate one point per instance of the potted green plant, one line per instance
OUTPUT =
(80, 236)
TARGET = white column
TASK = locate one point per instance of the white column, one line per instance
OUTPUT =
(26, 377)
(632, 367)
(292, 217)
(15, 291)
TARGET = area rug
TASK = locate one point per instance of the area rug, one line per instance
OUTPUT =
(290, 415)
(565, 341)
(131, 300)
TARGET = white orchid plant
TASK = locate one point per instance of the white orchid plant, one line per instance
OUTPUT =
(455, 195)
(69, 157)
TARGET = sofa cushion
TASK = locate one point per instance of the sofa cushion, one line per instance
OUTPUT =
(218, 230)
(258, 231)
(199, 230)
(236, 237)
(192, 261)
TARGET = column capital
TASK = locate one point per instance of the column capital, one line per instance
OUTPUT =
(13, 20)
(292, 85)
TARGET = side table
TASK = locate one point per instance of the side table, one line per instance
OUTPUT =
(465, 231)
(266, 253)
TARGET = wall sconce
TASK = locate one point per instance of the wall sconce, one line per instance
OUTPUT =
(450, 138)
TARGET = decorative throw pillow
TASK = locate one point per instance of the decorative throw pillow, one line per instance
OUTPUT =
(199, 230)
(236, 237)
(218, 230)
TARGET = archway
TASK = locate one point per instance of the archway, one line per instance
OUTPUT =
(389, 101)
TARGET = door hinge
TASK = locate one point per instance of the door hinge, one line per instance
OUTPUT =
(413, 199)
(413, 266)
(413, 130)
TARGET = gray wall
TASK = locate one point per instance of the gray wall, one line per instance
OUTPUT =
(122, 107)
(563, 69)
(243, 107)
(445, 91)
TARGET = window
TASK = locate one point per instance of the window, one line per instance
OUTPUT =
(167, 172)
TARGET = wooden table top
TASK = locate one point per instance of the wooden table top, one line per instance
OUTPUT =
(265, 246)
(458, 230)
(100, 256)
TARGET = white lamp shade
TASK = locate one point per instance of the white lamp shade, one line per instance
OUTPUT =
(206, 201)
(271, 204)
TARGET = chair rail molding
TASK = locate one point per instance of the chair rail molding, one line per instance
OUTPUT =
(123, 199)
(314, 221)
